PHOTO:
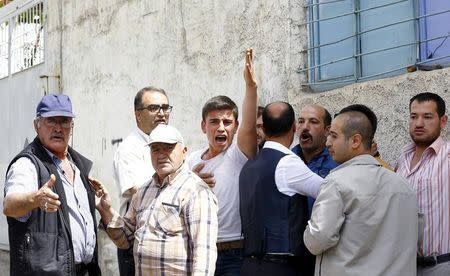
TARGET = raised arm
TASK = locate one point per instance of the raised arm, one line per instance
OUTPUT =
(246, 137)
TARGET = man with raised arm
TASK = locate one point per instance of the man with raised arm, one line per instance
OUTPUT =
(225, 158)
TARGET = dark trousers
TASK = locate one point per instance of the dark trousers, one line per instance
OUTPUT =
(229, 262)
(295, 266)
(252, 266)
(125, 259)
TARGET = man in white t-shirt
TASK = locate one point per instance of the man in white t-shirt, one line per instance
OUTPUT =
(132, 163)
(225, 159)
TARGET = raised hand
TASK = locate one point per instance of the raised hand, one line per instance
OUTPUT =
(249, 74)
(207, 177)
(102, 199)
(46, 199)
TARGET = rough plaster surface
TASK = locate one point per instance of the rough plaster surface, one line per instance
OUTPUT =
(106, 50)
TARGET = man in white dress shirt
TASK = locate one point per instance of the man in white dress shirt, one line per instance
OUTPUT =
(132, 161)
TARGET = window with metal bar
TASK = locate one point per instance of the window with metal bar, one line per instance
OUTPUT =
(27, 42)
(358, 40)
(434, 25)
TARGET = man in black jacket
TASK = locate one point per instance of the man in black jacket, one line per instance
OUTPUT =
(49, 203)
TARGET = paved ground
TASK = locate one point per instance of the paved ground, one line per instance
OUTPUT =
(4, 263)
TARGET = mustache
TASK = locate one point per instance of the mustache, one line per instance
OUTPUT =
(57, 135)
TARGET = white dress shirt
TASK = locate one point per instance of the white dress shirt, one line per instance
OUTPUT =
(132, 165)
(292, 176)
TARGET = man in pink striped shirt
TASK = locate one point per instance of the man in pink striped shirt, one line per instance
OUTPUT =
(425, 163)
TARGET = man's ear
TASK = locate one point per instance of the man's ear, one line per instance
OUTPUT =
(203, 126)
(327, 130)
(237, 126)
(444, 120)
(356, 141)
(35, 123)
(137, 114)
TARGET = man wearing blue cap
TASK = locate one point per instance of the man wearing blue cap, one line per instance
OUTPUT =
(49, 203)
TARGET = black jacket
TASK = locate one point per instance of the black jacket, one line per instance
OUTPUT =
(43, 244)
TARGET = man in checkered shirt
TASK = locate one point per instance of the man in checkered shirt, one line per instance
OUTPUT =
(172, 220)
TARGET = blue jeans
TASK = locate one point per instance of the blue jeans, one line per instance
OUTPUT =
(229, 262)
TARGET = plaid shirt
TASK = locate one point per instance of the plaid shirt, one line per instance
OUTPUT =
(173, 227)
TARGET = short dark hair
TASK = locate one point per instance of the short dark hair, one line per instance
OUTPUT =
(428, 96)
(327, 118)
(357, 124)
(220, 102)
(280, 123)
(140, 94)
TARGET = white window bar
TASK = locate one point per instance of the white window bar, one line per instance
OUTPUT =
(4, 49)
(21, 36)
(27, 47)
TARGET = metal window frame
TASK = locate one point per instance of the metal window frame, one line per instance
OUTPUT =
(313, 69)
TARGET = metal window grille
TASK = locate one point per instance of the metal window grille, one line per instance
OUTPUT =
(315, 44)
(22, 37)
(4, 55)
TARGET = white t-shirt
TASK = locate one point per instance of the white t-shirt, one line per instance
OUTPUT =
(132, 165)
(226, 168)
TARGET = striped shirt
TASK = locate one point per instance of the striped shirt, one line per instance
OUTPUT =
(173, 227)
(430, 179)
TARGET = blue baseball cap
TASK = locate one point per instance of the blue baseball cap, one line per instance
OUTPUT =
(53, 105)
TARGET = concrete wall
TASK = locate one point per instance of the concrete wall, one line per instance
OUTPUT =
(106, 50)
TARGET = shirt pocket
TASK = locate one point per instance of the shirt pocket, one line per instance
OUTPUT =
(427, 190)
(169, 219)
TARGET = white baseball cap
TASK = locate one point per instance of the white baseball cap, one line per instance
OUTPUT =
(165, 134)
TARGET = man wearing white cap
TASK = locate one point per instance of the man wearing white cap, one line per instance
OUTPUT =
(172, 219)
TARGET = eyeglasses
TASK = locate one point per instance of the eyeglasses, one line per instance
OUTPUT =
(155, 108)
(52, 122)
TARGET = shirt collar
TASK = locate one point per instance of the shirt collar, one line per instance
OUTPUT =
(364, 159)
(144, 135)
(435, 146)
(170, 179)
(277, 146)
(55, 159)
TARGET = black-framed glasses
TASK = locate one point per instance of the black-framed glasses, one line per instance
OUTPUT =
(155, 108)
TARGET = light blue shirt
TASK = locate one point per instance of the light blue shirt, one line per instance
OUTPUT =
(22, 177)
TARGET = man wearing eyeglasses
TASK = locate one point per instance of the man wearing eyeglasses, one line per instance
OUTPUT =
(132, 163)
(49, 203)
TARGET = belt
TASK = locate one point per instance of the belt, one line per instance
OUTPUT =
(433, 260)
(230, 245)
(275, 258)
(81, 269)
